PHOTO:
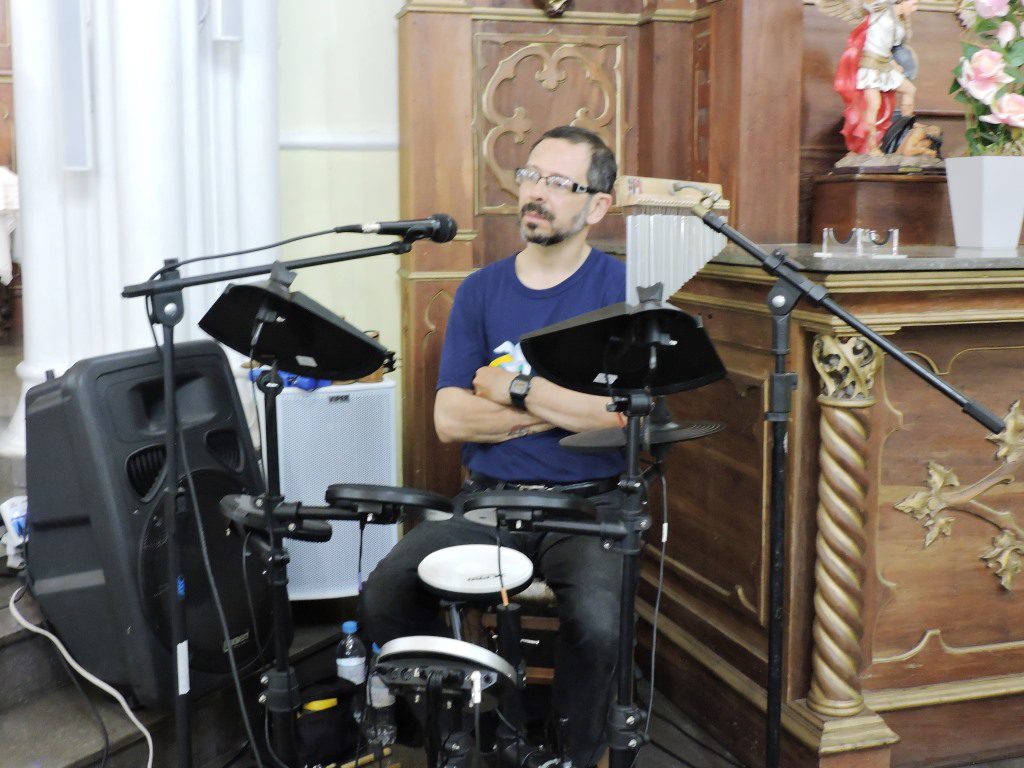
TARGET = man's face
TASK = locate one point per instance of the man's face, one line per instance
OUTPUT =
(548, 215)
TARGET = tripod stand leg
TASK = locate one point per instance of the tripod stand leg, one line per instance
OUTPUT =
(625, 722)
(509, 626)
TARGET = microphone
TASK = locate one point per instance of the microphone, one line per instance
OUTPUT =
(440, 228)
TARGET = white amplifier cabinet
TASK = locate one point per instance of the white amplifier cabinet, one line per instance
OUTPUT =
(338, 434)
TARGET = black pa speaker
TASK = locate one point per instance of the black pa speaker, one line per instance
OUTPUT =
(97, 550)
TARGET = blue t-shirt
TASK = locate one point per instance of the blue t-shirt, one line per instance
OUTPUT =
(491, 312)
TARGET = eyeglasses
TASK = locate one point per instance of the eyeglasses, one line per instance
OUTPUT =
(554, 181)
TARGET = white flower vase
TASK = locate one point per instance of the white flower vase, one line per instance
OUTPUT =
(986, 195)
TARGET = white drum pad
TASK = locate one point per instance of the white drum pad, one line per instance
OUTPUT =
(470, 571)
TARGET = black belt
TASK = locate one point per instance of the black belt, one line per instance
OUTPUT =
(582, 488)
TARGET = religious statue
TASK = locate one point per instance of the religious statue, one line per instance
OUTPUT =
(875, 79)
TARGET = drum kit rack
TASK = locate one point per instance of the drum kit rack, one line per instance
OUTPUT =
(447, 679)
(632, 353)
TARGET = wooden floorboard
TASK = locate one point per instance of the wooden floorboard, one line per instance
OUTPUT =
(677, 742)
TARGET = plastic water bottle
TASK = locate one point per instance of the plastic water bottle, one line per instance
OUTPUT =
(351, 655)
(379, 716)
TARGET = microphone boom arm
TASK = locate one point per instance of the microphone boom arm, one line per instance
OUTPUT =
(777, 264)
(155, 287)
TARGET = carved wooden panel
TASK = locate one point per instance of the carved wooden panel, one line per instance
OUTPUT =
(529, 78)
(715, 573)
(426, 462)
(526, 83)
(946, 612)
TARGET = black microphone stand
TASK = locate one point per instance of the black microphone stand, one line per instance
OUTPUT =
(787, 291)
(168, 308)
(168, 313)
(281, 695)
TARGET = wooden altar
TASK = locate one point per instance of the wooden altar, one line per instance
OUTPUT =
(905, 534)
(897, 653)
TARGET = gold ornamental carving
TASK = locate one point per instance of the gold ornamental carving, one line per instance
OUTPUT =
(599, 60)
(847, 368)
(935, 508)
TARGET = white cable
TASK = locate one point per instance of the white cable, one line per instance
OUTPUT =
(657, 600)
(81, 670)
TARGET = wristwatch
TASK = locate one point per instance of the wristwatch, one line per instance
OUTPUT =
(518, 389)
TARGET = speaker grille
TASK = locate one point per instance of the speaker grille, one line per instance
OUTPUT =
(223, 444)
(339, 434)
(144, 468)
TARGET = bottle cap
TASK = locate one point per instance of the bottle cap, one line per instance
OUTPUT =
(350, 627)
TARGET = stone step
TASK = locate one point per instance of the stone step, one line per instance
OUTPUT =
(45, 723)
(58, 730)
(10, 630)
(29, 665)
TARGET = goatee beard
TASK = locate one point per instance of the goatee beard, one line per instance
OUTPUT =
(556, 236)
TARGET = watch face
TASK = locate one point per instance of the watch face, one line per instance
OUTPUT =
(519, 386)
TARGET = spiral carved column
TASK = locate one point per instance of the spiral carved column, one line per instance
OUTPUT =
(847, 368)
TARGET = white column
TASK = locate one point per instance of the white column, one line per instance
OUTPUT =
(149, 155)
(40, 240)
(184, 162)
(259, 207)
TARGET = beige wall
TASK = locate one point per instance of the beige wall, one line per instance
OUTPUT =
(338, 99)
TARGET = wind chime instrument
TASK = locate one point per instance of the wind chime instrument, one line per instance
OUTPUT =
(665, 242)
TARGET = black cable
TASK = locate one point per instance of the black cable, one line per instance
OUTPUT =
(699, 743)
(256, 405)
(261, 466)
(359, 564)
(92, 706)
(476, 730)
(675, 755)
(266, 739)
(215, 593)
(151, 323)
(497, 541)
(176, 264)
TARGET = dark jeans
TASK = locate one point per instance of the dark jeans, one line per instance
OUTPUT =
(584, 577)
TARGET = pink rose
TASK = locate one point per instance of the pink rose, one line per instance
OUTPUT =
(1008, 110)
(1006, 33)
(988, 9)
(984, 74)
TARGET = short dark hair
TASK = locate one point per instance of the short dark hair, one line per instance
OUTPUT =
(603, 168)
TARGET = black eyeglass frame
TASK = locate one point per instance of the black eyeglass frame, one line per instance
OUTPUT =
(574, 187)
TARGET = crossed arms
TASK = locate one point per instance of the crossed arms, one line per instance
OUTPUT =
(485, 414)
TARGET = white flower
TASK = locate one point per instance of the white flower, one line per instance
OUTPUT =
(966, 14)
(1006, 33)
